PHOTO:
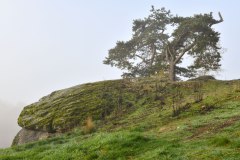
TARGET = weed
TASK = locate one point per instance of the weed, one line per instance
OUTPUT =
(89, 126)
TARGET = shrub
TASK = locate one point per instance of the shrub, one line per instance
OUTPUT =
(89, 126)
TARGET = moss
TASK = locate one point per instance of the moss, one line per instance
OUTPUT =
(203, 78)
(131, 123)
(65, 109)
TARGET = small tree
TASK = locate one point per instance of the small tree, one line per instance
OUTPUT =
(197, 91)
(160, 41)
(107, 101)
(176, 97)
(161, 88)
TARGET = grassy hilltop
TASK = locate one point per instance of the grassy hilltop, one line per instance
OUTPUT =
(134, 119)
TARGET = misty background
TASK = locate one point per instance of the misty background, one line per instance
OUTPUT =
(50, 45)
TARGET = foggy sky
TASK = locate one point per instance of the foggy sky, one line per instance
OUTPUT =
(8, 119)
(47, 45)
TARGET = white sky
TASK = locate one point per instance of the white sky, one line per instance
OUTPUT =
(46, 45)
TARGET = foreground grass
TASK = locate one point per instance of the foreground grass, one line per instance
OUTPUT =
(150, 132)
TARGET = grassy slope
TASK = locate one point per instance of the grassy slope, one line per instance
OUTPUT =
(150, 132)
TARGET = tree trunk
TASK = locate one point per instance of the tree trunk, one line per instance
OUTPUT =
(172, 73)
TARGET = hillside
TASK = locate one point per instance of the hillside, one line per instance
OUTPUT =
(132, 119)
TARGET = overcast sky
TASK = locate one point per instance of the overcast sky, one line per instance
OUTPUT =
(46, 45)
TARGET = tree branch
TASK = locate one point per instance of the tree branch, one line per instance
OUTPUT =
(217, 21)
(169, 51)
(167, 58)
(153, 54)
(143, 59)
(183, 52)
(180, 38)
(220, 16)
(140, 57)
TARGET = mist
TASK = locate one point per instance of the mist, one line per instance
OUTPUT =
(8, 122)
(50, 45)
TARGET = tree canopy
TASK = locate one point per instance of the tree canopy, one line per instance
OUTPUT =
(160, 41)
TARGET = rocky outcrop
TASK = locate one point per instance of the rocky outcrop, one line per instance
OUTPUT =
(26, 136)
(61, 110)
(203, 78)
(65, 109)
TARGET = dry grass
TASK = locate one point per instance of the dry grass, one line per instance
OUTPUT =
(89, 126)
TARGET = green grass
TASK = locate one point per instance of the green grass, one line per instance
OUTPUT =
(148, 131)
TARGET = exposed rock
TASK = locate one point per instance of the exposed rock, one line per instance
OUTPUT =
(65, 109)
(59, 111)
(26, 136)
(203, 78)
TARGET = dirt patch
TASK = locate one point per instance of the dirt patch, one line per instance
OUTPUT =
(213, 127)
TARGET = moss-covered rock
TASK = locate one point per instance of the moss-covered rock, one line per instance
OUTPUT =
(64, 109)
(203, 78)
(121, 104)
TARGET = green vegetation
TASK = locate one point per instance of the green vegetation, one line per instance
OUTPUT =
(65, 109)
(136, 119)
(158, 46)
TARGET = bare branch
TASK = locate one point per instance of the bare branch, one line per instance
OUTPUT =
(140, 57)
(217, 21)
(143, 59)
(220, 16)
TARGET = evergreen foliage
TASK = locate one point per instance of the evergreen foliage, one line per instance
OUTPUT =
(160, 41)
